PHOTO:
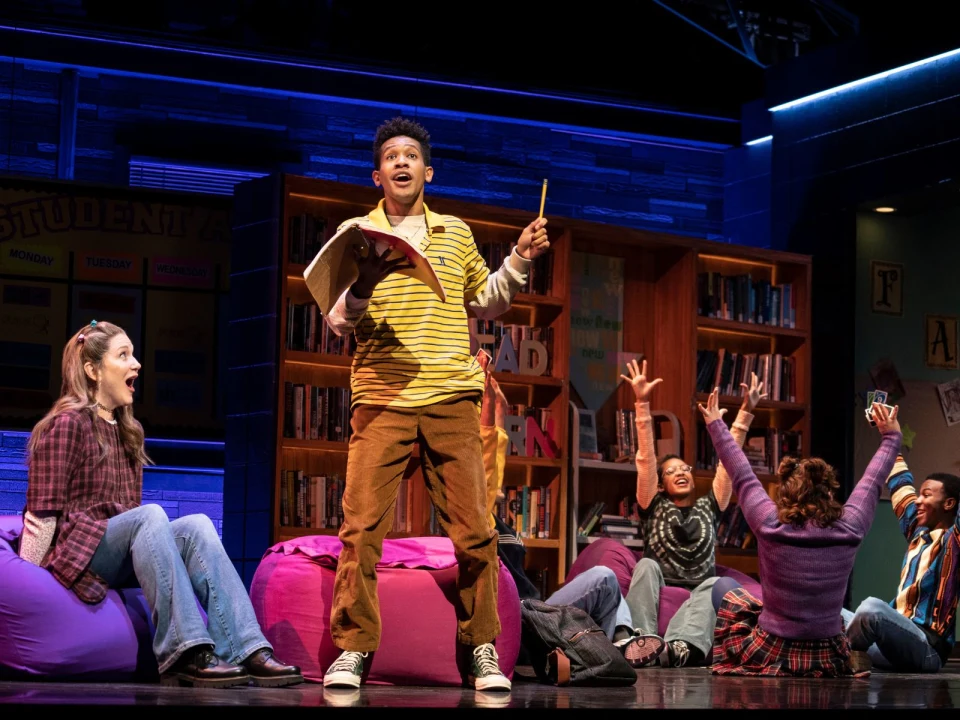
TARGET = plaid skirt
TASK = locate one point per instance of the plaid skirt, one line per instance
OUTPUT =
(741, 647)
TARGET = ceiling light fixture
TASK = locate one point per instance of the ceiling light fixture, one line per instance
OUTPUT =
(885, 209)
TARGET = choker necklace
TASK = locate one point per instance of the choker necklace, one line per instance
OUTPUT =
(105, 408)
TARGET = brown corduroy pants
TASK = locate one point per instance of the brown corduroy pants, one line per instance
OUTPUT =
(452, 462)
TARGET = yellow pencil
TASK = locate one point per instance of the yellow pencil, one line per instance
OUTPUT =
(543, 196)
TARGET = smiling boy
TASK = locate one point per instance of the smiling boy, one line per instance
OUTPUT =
(414, 380)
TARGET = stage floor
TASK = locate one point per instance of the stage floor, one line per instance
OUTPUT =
(655, 688)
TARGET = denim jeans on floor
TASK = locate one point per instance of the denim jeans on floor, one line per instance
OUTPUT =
(694, 620)
(177, 563)
(597, 592)
(893, 641)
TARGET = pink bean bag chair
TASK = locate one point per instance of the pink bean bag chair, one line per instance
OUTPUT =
(613, 554)
(292, 593)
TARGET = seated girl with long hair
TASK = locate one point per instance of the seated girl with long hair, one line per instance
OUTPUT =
(84, 523)
(807, 541)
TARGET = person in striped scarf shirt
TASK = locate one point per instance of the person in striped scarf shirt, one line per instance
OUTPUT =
(914, 632)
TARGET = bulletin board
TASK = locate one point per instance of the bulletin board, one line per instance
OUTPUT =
(157, 264)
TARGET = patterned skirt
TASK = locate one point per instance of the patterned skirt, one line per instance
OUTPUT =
(741, 647)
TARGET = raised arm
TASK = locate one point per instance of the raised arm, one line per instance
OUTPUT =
(752, 394)
(903, 497)
(489, 295)
(753, 499)
(860, 507)
(646, 459)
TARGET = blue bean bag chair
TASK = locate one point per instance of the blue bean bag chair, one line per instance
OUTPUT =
(48, 632)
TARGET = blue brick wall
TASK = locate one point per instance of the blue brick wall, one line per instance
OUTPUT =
(634, 181)
(179, 490)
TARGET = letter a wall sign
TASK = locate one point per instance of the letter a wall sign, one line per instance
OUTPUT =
(942, 342)
(886, 283)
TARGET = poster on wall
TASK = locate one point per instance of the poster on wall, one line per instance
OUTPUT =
(71, 253)
(949, 393)
(941, 341)
(886, 281)
(596, 327)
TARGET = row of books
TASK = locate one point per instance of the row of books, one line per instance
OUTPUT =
(732, 529)
(310, 501)
(764, 448)
(741, 298)
(540, 277)
(490, 335)
(307, 234)
(527, 510)
(622, 525)
(316, 413)
(307, 332)
(727, 369)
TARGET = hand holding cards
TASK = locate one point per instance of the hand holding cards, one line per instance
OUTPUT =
(883, 416)
(876, 396)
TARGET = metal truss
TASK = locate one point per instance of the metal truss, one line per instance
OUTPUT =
(767, 31)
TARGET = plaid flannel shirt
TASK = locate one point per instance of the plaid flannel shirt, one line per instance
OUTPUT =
(66, 476)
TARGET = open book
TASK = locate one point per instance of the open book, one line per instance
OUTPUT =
(334, 269)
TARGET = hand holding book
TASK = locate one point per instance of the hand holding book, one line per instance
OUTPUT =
(372, 267)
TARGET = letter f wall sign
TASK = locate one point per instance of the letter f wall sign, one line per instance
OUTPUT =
(886, 280)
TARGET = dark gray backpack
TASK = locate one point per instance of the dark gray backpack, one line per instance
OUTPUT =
(566, 647)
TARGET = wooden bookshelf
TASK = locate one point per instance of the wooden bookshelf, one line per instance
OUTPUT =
(336, 202)
(665, 320)
(662, 321)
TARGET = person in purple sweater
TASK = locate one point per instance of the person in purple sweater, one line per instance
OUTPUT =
(806, 544)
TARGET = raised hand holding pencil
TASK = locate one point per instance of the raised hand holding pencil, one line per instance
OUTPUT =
(533, 240)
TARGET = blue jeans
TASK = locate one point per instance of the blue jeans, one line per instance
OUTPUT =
(177, 563)
(597, 592)
(893, 641)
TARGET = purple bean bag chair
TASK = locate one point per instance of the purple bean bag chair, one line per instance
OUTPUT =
(292, 594)
(48, 632)
(613, 554)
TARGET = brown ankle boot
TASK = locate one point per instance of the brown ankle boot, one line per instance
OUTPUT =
(266, 671)
(200, 667)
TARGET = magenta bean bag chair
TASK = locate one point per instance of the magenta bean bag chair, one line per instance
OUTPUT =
(292, 594)
(48, 632)
(613, 554)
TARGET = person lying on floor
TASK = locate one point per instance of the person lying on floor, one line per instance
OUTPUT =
(806, 545)
(679, 532)
(595, 591)
(915, 631)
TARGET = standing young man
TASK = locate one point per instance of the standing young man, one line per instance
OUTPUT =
(415, 380)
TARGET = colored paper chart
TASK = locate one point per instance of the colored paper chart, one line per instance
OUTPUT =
(596, 327)
(150, 262)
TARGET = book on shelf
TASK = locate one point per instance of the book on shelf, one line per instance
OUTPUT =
(526, 510)
(334, 269)
(743, 299)
(726, 369)
(764, 448)
(316, 413)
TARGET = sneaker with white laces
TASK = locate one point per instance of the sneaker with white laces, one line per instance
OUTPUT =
(640, 650)
(676, 653)
(346, 670)
(485, 672)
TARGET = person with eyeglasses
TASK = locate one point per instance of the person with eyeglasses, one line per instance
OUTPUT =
(679, 532)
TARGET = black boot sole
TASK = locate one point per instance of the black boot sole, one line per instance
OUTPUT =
(183, 680)
(279, 681)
